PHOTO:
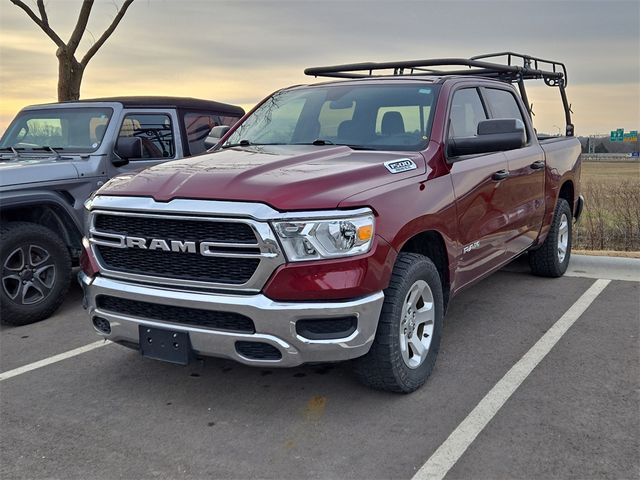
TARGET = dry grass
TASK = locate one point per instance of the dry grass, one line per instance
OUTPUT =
(611, 219)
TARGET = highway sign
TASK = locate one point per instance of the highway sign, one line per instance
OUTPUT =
(632, 136)
(617, 135)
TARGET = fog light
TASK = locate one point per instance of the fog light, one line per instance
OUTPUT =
(102, 325)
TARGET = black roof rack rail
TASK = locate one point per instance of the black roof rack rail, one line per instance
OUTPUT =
(516, 69)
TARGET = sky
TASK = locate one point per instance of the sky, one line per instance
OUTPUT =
(239, 51)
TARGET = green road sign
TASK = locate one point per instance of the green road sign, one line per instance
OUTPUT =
(617, 135)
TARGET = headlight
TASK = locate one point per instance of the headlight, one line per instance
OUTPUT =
(310, 239)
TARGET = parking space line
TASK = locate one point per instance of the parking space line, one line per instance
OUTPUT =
(447, 454)
(56, 358)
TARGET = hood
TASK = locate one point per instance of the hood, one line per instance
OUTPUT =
(284, 177)
(35, 169)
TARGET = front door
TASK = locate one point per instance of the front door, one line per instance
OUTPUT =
(157, 129)
(482, 202)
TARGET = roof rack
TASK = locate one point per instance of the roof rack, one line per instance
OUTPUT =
(516, 69)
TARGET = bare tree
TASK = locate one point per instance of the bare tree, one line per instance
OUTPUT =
(70, 70)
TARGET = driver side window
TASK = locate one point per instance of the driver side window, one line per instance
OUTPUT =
(155, 131)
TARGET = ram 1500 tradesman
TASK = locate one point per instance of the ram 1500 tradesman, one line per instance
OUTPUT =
(337, 220)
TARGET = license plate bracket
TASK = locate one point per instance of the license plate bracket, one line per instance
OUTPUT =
(166, 345)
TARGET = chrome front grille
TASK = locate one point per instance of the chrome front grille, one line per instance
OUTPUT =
(177, 228)
(184, 250)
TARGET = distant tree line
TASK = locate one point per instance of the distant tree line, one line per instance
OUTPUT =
(605, 145)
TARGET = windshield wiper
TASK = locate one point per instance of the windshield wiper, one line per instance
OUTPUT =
(13, 150)
(241, 143)
(54, 151)
(318, 142)
(360, 147)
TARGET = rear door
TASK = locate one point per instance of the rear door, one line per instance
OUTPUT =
(481, 201)
(524, 188)
(197, 125)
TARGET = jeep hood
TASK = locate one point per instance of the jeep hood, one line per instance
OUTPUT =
(285, 177)
(34, 170)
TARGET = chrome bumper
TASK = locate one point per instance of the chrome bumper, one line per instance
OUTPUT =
(275, 322)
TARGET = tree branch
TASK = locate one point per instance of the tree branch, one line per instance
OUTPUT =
(81, 25)
(107, 33)
(43, 12)
(40, 22)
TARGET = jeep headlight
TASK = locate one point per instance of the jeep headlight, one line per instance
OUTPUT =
(314, 239)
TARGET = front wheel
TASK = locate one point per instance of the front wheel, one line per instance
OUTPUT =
(552, 258)
(35, 272)
(407, 340)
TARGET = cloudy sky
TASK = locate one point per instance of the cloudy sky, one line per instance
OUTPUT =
(239, 51)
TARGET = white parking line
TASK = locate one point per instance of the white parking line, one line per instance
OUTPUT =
(48, 361)
(447, 454)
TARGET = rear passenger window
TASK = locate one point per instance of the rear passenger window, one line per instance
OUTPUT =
(197, 126)
(155, 131)
(466, 112)
(503, 104)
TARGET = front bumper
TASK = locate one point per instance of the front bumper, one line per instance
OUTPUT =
(275, 322)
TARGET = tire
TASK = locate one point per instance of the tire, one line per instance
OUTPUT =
(552, 258)
(35, 271)
(387, 365)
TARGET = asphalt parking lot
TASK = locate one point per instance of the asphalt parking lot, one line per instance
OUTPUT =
(108, 413)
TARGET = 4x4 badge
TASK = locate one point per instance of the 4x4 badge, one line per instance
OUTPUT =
(400, 165)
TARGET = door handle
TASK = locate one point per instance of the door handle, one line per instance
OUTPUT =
(537, 165)
(500, 175)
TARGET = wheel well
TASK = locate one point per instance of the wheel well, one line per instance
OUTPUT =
(566, 192)
(431, 244)
(51, 216)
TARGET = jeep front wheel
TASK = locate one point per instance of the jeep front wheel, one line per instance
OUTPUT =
(35, 272)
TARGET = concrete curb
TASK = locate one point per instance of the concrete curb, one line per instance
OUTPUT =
(589, 266)
(612, 268)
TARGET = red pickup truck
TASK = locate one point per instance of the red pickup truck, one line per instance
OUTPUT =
(336, 221)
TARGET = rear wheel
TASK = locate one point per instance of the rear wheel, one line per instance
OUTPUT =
(552, 258)
(35, 273)
(407, 340)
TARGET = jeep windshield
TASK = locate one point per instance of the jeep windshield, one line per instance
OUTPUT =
(50, 129)
(367, 117)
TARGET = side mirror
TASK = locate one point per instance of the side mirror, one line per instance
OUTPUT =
(127, 148)
(215, 135)
(495, 135)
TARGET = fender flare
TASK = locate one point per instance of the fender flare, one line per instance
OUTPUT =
(64, 213)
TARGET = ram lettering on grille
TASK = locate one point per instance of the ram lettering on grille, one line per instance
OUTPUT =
(207, 251)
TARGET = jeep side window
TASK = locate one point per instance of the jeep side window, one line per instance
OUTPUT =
(466, 112)
(197, 126)
(156, 133)
(503, 104)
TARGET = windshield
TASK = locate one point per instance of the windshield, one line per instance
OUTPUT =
(375, 117)
(67, 129)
